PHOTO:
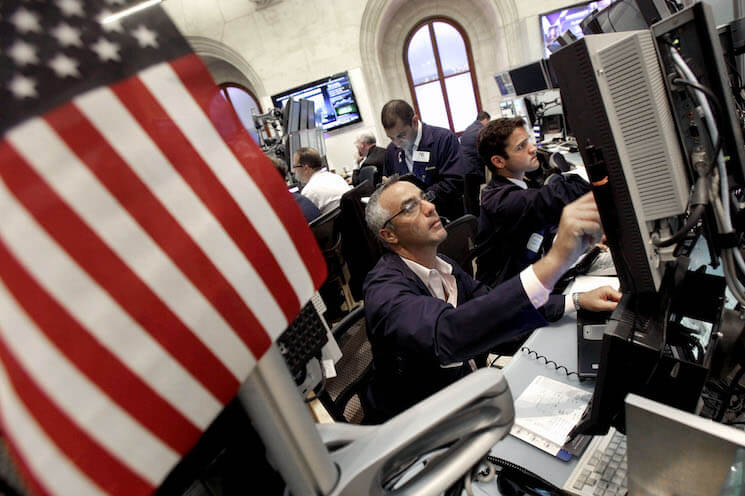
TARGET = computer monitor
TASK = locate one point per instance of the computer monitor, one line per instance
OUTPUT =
(529, 78)
(557, 22)
(648, 176)
(334, 101)
(670, 451)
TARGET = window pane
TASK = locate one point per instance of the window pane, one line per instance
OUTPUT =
(452, 49)
(244, 106)
(462, 100)
(421, 57)
(432, 104)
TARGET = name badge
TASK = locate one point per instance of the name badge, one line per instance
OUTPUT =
(534, 243)
(420, 156)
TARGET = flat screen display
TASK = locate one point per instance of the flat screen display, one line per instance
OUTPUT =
(529, 78)
(554, 24)
(333, 98)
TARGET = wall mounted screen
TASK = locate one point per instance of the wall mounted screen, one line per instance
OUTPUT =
(555, 23)
(335, 103)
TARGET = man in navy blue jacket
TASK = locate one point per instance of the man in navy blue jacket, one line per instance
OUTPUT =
(430, 153)
(427, 320)
(517, 219)
(469, 148)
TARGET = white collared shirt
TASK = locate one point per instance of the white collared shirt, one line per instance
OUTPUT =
(410, 156)
(439, 281)
(324, 189)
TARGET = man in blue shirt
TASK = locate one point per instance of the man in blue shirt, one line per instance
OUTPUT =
(430, 153)
(517, 219)
(469, 149)
(427, 320)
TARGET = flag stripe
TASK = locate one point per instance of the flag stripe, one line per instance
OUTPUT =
(242, 169)
(94, 307)
(201, 179)
(80, 408)
(96, 362)
(105, 111)
(190, 303)
(105, 470)
(46, 469)
(197, 173)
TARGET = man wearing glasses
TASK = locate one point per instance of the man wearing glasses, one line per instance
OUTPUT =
(517, 219)
(429, 153)
(428, 321)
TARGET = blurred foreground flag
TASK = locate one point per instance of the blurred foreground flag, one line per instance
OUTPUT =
(149, 253)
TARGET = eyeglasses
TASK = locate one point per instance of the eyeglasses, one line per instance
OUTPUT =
(412, 206)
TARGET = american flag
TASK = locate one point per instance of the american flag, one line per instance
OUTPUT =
(149, 253)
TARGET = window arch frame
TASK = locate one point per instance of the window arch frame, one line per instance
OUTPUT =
(429, 21)
(230, 84)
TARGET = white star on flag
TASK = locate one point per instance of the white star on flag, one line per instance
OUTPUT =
(106, 50)
(67, 35)
(71, 7)
(23, 53)
(22, 87)
(64, 66)
(145, 37)
(25, 21)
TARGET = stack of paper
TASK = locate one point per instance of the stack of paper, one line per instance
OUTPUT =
(547, 411)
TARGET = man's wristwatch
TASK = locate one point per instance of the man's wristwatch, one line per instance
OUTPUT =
(575, 299)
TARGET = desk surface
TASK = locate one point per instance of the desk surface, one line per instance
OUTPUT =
(558, 343)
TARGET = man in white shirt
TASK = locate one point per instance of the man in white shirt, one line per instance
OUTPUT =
(320, 186)
(427, 319)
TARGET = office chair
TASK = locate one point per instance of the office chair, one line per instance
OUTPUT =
(343, 394)
(326, 231)
(472, 194)
(370, 173)
(461, 241)
(361, 249)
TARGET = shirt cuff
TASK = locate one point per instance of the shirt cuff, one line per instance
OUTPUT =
(569, 304)
(537, 293)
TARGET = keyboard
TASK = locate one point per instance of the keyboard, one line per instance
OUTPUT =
(601, 471)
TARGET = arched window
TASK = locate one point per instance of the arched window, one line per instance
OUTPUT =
(245, 104)
(439, 66)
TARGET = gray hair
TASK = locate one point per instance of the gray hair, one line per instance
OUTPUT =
(366, 137)
(375, 214)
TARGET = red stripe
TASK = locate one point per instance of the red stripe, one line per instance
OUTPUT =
(93, 459)
(113, 275)
(95, 361)
(202, 180)
(197, 80)
(116, 175)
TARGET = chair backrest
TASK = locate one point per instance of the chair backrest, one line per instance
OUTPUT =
(472, 194)
(343, 395)
(371, 173)
(361, 249)
(461, 241)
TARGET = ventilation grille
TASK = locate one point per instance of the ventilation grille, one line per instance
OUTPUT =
(638, 94)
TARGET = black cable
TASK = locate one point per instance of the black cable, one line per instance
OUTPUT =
(728, 394)
(548, 362)
(495, 361)
(710, 94)
(536, 481)
(690, 223)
